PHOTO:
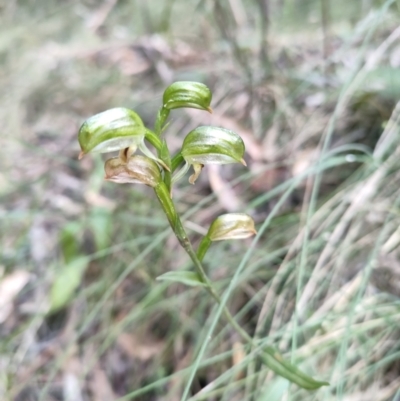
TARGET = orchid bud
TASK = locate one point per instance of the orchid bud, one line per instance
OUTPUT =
(231, 226)
(187, 94)
(225, 227)
(111, 130)
(137, 170)
(210, 145)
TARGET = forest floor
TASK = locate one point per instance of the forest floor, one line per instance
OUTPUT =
(313, 88)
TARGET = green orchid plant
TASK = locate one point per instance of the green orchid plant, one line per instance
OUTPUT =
(121, 129)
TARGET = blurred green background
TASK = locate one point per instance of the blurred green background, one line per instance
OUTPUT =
(312, 87)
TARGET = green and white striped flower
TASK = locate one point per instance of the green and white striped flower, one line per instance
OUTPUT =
(227, 227)
(181, 94)
(116, 129)
(232, 226)
(187, 94)
(210, 145)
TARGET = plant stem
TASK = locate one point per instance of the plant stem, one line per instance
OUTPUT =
(268, 355)
(203, 247)
(180, 233)
(162, 116)
(200, 270)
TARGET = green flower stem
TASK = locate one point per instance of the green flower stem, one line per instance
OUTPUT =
(203, 247)
(167, 204)
(176, 161)
(164, 155)
(162, 116)
(153, 139)
(168, 180)
(186, 244)
(164, 197)
(269, 355)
